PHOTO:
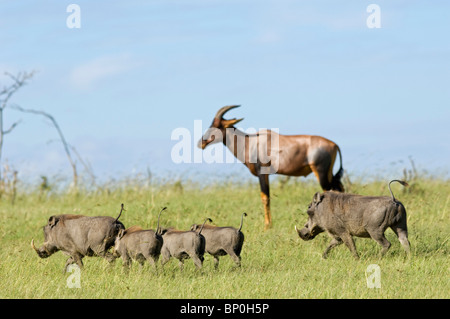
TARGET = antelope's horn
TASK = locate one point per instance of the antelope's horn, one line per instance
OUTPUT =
(223, 110)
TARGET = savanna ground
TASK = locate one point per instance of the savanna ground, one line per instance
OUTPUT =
(275, 263)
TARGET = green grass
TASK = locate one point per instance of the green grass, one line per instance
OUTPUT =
(275, 263)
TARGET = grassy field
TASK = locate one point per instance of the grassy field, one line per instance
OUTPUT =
(275, 263)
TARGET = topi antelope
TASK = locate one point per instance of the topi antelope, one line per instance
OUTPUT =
(268, 152)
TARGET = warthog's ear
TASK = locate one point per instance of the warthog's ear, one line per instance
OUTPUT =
(52, 221)
(121, 233)
(317, 198)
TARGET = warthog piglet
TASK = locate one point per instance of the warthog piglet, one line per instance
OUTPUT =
(182, 245)
(221, 241)
(139, 244)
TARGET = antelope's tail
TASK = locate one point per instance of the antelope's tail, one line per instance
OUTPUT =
(336, 181)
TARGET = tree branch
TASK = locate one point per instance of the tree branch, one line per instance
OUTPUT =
(11, 128)
(58, 129)
(19, 81)
(5, 94)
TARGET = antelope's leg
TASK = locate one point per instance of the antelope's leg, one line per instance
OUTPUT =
(265, 198)
(267, 217)
(323, 176)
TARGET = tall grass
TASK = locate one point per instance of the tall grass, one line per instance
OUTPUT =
(275, 263)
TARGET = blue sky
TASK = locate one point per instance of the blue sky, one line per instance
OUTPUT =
(137, 70)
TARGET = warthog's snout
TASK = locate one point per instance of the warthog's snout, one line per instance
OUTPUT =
(302, 233)
(306, 234)
(42, 252)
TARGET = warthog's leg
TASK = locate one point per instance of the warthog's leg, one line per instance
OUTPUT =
(216, 262)
(109, 257)
(102, 252)
(334, 242)
(126, 261)
(141, 262)
(234, 256)
(152, 260)
(380, 239)
(165, 257)
(197, 261)
(348, 241)
(181, 264)
(74, 259)
(68, 262)
(402, 235)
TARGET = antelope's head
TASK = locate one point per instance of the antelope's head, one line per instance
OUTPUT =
(216, 132)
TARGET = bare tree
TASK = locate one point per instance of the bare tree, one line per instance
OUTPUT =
(5, 95)
(61, 135)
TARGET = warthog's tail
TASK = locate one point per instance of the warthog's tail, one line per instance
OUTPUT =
(210, 220)
(157, 227)
(396, 180)
(242, 221)
(121, 209)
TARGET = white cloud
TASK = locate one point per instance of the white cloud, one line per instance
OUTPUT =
(86, 75)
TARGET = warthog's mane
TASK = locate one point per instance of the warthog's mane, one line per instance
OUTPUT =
(69, 216)
(173, 230)
(62, 218)
(133, 229)
(206, 226)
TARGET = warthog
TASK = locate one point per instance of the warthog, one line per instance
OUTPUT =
(139, 244)
(182, 245)
(345, 215)
(79, 236)
(221, 241)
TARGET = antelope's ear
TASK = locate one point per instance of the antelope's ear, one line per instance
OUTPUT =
(230, 123)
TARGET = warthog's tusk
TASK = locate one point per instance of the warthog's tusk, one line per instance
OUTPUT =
(33, 246)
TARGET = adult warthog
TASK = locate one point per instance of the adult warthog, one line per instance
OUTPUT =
(79, 236)
(345, 215)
